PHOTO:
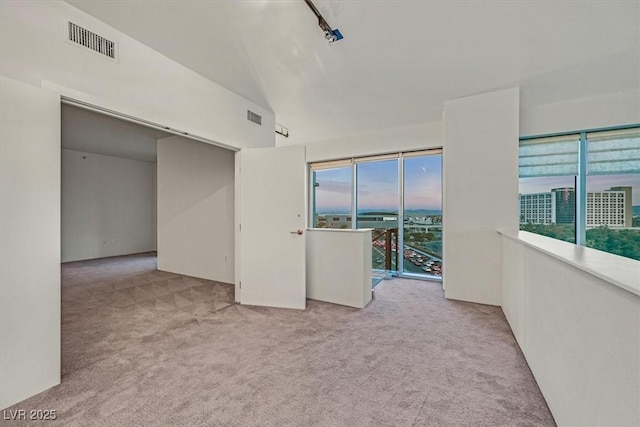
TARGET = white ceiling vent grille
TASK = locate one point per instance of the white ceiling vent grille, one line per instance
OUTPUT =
(253, 117)
(91, 40)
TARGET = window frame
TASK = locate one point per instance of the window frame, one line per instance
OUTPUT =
(581, 199)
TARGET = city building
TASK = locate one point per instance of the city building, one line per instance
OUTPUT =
(380, 220)
(564, 211)
(609, 208)
(364, 220)
(621, 207)
(537, 208)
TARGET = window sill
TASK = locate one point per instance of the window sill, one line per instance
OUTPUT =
(619, 271)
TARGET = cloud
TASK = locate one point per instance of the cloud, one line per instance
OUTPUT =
(332, 186)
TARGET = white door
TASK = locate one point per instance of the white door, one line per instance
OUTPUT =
(272, 227)
(30, 242)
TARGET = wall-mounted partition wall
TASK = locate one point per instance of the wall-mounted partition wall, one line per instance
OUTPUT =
(196, 209)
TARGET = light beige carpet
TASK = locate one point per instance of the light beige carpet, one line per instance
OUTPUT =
(142, 347)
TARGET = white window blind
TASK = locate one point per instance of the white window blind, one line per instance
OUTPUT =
(422, 153)
(553, 156)
(614, 152)
(377, 158)
(331, 164)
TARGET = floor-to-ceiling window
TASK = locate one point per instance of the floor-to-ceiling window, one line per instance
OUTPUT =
(422, 213)
(399, 196)
(377, 195)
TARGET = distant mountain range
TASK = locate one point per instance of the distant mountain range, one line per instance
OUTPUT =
(426, 212)
(636, 211)
(411, 212)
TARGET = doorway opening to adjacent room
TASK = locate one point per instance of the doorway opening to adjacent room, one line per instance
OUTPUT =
(108, 186)
(140, 207)
(397, 195)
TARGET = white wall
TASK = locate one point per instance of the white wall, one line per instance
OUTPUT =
(579, 334)
(339, 266)
(612, 109)
(428, 135)
(143, 83)
(108, 206)
(30, 241)
(480, 168)
(196, 209)
(237, 238)
(576, 114)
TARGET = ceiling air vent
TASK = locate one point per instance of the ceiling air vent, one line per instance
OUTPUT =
(91, 40)
(253, 117)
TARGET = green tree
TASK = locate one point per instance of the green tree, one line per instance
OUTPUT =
(564, 232)
(625, 243)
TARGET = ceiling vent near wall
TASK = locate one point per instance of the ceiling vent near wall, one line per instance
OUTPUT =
(253, 117)
(92, 41)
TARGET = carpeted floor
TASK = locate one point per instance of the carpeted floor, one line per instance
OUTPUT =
(143, 347)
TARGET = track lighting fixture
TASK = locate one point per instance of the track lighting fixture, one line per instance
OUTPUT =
(330, 34)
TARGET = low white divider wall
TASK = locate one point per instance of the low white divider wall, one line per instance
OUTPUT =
(575, 313)
(339, 266)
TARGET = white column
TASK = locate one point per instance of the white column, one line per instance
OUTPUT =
(480, 168)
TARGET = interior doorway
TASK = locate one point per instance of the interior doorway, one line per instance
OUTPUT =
(146, 221)
(108, 186)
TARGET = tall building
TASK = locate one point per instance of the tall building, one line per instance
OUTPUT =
(537, 208)
(565, 205)
(609, 208)
(628, 205)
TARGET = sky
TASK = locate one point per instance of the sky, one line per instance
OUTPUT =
(378, 186)
(594, 183)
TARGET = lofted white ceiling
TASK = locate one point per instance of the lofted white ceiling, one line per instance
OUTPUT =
(400, 59)
(84, 130)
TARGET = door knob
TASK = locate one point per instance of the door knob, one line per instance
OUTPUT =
(298, 232)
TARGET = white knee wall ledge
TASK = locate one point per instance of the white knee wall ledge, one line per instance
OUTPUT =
(575, 313)
(339, 266)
